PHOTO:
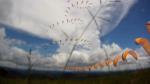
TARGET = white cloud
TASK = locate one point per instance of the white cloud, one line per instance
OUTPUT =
(19, 56)
(15, 57)
(141, 51)
(35, 17)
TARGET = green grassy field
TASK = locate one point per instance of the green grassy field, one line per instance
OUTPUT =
(138, 77)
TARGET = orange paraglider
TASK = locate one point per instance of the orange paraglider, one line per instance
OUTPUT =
(108, 62)
(148, 26)
(92, 68)
(116, 60)
(144, 43)
(99, 65)
(129, 52)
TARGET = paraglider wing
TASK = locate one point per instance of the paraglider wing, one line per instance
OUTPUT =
(108, 62)
(144, 43)
(99, 65)
(134, 54)
(141, 41)
(124, 55)
(116, 60)
(128, 53)
(91, 68)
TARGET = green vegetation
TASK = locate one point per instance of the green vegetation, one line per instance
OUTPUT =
(137, 77)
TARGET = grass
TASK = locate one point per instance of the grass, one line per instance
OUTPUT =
(137, 77)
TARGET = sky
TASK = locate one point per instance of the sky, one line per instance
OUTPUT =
(32, 41)
(28, 24)
(132, 26)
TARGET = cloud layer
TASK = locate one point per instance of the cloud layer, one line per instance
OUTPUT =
(64, 22)
(12, 56)
(39, 18)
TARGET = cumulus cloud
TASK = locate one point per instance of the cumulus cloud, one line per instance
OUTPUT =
(5, 14)
(63, 21)
(69, 17)
(12, 56)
